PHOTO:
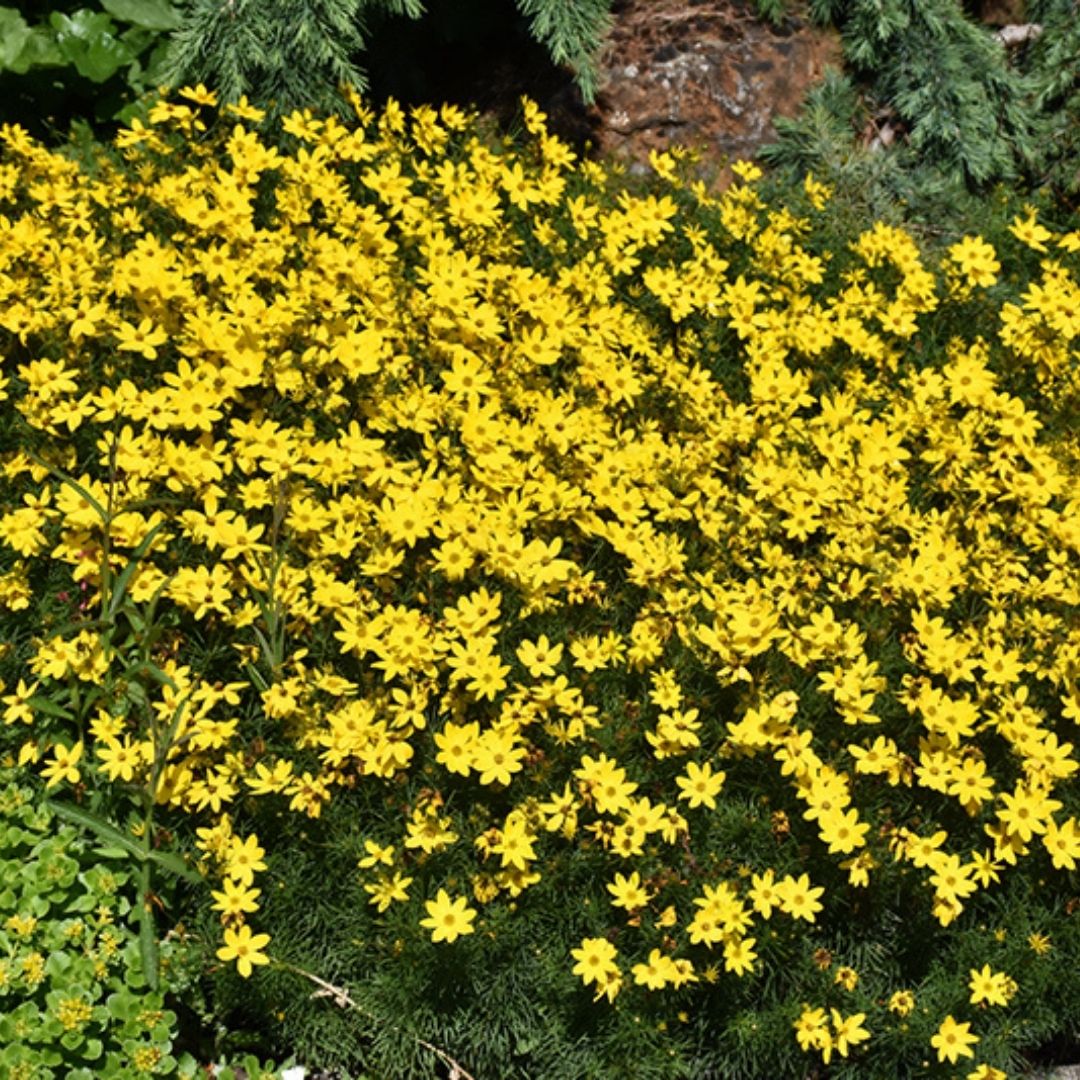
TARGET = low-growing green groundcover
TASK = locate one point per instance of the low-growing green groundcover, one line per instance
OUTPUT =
(602, 630)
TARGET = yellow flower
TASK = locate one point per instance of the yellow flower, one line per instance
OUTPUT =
(142, 339)
(902, 1002)
(739, 955)
(64, 765)
(848, 1031)
(763, 893)
(1028, 231)
(1039, 943)
(976, 259)
(429, 831)
(235, 898)
(458, 744)
(119, 758)
(497, 758)
(595, 960)
(797, 898)
(987, 1072)
(388, 889)
(1062, 842)
(628, 892)
(376, 854)
(540, 657)
(1027, 811)
(448, 919)
(812, 1029)
(990, 987)
(842, 831)
(245, 948)
(700, 785)
(244, 858)
(657, 971)
(953, 1040)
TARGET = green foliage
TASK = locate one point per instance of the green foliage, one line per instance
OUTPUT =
(969, 111)
(292, 55)
(75, 1000)
(75, 1003)
(1053, 63)
(109, 54)
(572, 31)
(299, 53)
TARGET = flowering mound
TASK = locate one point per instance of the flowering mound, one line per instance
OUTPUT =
(657, 555)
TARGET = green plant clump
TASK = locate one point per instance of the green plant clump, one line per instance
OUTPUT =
(74, 998)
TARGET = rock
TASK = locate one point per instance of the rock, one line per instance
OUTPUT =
(703, 72)
(706, 72)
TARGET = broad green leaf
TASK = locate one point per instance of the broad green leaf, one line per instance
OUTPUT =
(151, 14)
(122, 1005)
(71, 31)
(115, 840)
(104, 57)
(153, 671)
(169, 860)
(71, 1039)
(119, 587)
(38, 50)
(83, 23)
(49, 707)
(111, 851)
(148, 945)
(14, 34)
(77, 626)
(135, 692)
(109, 833)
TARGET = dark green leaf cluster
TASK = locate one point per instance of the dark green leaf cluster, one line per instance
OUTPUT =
(115, 48)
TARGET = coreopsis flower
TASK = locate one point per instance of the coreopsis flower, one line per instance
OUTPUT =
(953, 1040)
(990, 987)
(235, 898)
(388, 889)
(245, 948)
(798, 898)
(595, 960)
(1027, 230)
(699, 786)
(244, 858)
(448, 919)
(64, 764)
(976, 260)
(902, 1002)
(847, 1031)
(627, 891)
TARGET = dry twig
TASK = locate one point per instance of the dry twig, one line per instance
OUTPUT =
(341, 998)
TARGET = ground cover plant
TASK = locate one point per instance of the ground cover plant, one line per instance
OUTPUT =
(74, 993)
(577, 630)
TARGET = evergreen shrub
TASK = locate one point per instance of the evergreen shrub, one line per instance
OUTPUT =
(575, 630)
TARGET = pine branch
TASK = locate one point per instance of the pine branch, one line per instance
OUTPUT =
(572, 31)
